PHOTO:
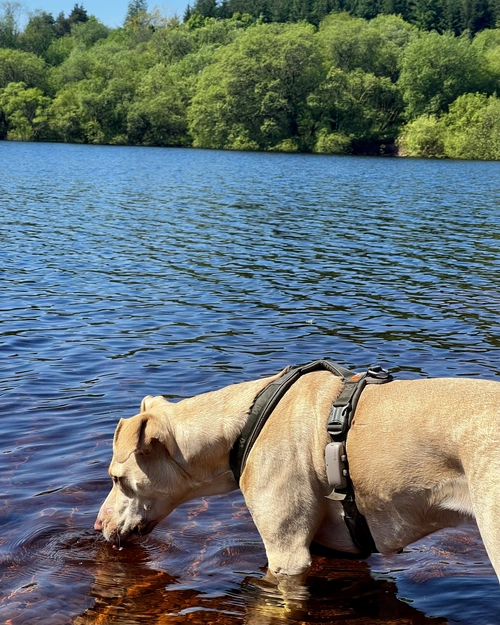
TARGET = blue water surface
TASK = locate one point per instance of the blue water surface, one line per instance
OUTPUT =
(133, 271)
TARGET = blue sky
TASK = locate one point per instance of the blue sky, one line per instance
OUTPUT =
(111, 12)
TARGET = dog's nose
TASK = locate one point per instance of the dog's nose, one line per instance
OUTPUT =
(98, 524)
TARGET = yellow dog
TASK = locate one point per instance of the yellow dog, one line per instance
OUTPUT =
(423, 455)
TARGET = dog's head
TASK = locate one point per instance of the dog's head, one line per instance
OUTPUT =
(170, 453)
(148, 483)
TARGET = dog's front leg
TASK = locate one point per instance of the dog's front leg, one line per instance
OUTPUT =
(287, 527)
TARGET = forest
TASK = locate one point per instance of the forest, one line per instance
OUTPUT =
(383, 77)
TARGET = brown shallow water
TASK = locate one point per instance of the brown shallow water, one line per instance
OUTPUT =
(140, 272)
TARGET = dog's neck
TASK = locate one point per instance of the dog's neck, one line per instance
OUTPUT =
(205, 427)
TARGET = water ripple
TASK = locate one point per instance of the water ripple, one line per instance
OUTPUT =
(128, 272)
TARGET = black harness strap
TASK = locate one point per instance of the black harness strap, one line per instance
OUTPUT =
(344, 407)
(339, 422)
(265, 402)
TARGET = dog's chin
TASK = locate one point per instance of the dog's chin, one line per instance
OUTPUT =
(133, 536)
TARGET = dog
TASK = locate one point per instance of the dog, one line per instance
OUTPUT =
(423, 455)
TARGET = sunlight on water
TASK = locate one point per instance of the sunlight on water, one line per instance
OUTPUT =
(134, 271)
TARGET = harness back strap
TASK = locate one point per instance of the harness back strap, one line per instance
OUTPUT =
(264, 404)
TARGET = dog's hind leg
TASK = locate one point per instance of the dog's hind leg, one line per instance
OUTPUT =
(484, 487)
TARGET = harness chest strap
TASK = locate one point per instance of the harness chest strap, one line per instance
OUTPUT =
(339, 421)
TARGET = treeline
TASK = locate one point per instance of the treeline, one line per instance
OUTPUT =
(348, 85)
(457, 16)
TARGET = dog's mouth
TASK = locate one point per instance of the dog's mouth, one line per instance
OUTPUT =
(119, 540)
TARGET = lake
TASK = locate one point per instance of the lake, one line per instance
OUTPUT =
(134, 271)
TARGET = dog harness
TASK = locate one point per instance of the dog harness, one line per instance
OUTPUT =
(338, 424)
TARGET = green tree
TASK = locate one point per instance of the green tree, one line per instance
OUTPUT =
(98, 86)
(475, 15)
(136, 9)
(359, 106)
(18, 66)
(25, 111)
(321, 8)
(206, 8)
(10, 20)
(39, 33)
(428, 14)
(171, 44)
(89, 32)
(78, 15)
(472, 128)
(376, 46)
(158, 114)
(62, 25)
(59, 50)
(487, 44)
(255, 94)
(452, 17)
(436, 69)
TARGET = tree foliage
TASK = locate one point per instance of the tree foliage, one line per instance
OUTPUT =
(436, 69)
(255, 94)
(341, 83)
(440, 15)
(471, 129)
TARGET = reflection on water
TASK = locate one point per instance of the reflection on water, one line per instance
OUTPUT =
(128, 272)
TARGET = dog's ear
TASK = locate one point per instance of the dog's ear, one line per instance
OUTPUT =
(134, 435)
(150, 402)
(146, 403)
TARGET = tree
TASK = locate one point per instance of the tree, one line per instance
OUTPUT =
(427, 14)
(10, 19)
(157, 115)
(18, 66)
(475, 15)
(59, 50)
(96, 86)
(436, 69)
(139, 24)
(206, 8)
(61, 25)
(136, 9)
(487, 43)
(471, 129)
(374, 46)
(356, 105)
(88, 32)
(255, 94)
(25, 111)
(423, 138)
(321, 8)
(78, 15)
(38, 33)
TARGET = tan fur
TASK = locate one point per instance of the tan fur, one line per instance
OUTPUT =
(423, 455)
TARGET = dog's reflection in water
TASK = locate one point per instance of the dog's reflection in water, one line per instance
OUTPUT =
(128, 590)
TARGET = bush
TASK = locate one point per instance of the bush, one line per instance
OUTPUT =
(332, 143)
(422, 138)
(472, 128)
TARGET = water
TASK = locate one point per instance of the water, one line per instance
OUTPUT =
(135, 271)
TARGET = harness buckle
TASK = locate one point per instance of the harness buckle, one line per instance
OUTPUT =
(338, 420)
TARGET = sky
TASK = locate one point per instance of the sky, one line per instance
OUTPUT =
(110, 12)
